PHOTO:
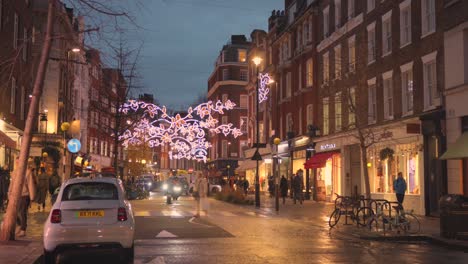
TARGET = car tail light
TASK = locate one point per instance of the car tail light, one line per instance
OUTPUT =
(56, 216)
(122, 214)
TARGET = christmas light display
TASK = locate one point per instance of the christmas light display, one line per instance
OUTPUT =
(263, 90)
(185, 135)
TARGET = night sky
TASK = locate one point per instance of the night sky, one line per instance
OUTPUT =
(182, 39)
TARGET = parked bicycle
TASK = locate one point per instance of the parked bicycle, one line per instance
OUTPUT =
(354, 208)
(392, 216)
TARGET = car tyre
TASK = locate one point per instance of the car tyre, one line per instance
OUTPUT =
(49, 257)
(129, 254)
(214, 190)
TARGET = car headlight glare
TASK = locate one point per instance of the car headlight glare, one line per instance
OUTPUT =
(177, 189)
(149, 183)
(164, 186)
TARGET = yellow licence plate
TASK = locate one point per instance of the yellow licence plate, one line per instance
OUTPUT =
(98, 213)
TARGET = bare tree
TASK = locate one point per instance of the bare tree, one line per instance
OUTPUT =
(99, 8)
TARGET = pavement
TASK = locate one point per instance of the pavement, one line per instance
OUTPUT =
(29, 249)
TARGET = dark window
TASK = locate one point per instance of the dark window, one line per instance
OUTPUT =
(465, 124)
(90, 191)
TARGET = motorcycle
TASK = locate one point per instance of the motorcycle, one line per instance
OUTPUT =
(172, 192)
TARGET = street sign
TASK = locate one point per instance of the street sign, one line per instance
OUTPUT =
(256, 156)
(74, 145)
(259, 145)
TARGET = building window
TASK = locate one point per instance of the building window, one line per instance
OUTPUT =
(352, 107)
(326, 22)
(243, 124)
(310, 114)
(299, 74)
(300, 121)
(405, 23)
(289, 122)
(372, 101)
(242, 144)
(338, 13)
(338, 62)
(225, 74)
(352, 54)
(407, 87)
(22, 103)
(305, 33)
(25, 43)
(243, 75)
(371, 43)
(1, 14)
(310, 30)
(310, 73)
(431, 94)
(288, 85)
(428, 16)
(326, 68)
(388, 94)
(338, 116)
(15, 31)
(370, 5)
(298, 38)
(351, 9)
(243, 101)
(224, 120)
(242, 55)
(387, 33)
(224, 148)
(224, 98)
(326, 116)
(13, 96)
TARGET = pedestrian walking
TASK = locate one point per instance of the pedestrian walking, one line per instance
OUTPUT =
(201, 193)
(54, 184)
(28, 194)
(4, 180)
(399, 186)
(271, 186)
(297, 187)
(284, 188)
(42, 186)
(246, 186)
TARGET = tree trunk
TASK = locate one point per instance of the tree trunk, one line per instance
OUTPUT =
(366, 172)
(9, 222)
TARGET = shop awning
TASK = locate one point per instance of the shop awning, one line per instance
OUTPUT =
(7, 141)
(457, 150)
(246, 165)
(318, 160)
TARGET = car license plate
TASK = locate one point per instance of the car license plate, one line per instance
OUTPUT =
(84, 214)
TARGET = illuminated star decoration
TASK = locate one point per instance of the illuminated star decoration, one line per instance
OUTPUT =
(263, 90)
(184, 134)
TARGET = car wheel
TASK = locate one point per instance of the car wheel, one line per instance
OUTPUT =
(129, 254)
(214, 190)
(49, 257)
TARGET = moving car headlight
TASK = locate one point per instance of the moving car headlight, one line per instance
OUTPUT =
(177, 189)
(149, 183)
(165, 186)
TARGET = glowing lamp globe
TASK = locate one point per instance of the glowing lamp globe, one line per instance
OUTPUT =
(65, 126)
(45, 155)
(276, 141)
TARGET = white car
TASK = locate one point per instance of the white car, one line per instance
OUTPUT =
(90, 213)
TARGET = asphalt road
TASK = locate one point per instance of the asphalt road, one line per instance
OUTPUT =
(235, 234)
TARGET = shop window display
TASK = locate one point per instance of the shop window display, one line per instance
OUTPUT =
(383, 169)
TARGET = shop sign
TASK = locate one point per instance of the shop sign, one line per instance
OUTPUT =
(328, 147)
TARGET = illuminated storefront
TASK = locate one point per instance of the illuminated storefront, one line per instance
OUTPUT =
(329, 176)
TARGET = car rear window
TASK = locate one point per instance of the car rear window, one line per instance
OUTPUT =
(90, 191)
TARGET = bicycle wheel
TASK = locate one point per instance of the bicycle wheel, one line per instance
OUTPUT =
(334, 218)
(363, 215)
(410, 224)
(373, 223)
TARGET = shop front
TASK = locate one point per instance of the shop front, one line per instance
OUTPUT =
(327, 170)
(387, 159)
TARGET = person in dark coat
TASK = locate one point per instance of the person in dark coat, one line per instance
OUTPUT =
(246, 186)
(54, 183)
(42, 186)
(284, 188)
(4, 182)
(297, 187)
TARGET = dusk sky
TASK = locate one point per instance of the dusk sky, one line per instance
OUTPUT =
(182, 39)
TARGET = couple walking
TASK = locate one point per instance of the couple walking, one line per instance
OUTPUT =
(200, 193)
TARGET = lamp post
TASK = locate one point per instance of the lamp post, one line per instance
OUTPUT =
(257, 156)
(64, 127)
(43, 120)
(229, 173)
(276, 142)
(314, 131)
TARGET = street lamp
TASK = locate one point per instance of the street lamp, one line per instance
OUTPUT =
(314, 131)
(257, 60)
(229, 173)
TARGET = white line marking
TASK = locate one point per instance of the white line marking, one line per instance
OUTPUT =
(164, 234)
(193, 218)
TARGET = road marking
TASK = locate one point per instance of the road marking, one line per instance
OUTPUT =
(192, 222)
(142, 213)
(165, 234)
(158, 260)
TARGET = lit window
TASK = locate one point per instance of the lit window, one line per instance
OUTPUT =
(372, 106)
(407, 87)
(310, 73)
(243, 124)
(338, 112)
(326, 68)
(242, 55)
(352, 107)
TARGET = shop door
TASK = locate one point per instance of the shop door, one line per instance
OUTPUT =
(355, 170)
(434, 181)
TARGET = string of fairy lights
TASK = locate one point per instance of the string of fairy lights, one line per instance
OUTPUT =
(185, 135)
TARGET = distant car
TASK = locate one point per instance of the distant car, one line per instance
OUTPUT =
(145, 184)
(90, 214)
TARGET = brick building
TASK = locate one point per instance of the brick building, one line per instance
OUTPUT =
(16, 75)
(228, 81)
